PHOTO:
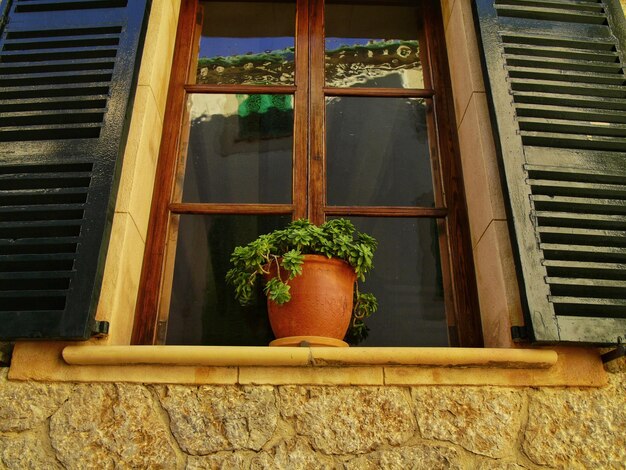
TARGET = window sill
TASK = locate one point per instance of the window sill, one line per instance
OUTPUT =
(324, 366)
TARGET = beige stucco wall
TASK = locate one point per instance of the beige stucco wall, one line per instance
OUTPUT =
(81, 426)
(132, 210)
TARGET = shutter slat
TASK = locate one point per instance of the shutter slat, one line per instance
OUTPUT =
(584, 55)
(38, 224)
(553, 139)
(552, 14)
(530, 61)
(37, 257)
(579, 101)
(573, 4)
(587, 301)
(565, 219)
(52, 40)
(569, 88)
(599, 283)
(68, 131)
(29, 120)
(551, 187)
(56, 5)
(33, 293)
(536, 38)
(17, 83)
(100, 52)
(564, 126)
(583, 252)
(579, 204)
(574, 114)
(579, 236)
(52, 104)
(55, 89)
(57, 66)
(586, 269)
(63, 90)
(34, 275)
(569, 75)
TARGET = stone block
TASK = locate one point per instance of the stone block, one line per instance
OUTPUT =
(578, 428)
(156, 61)
(414, 457)
(211, 419)
(27, 451)
(294, 454)
(483, 187)
(483, 420)
(463, 56)
(25, 405)
(111, 426)
(498, 288)
(348, 420)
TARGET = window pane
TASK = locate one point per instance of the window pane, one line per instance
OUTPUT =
(248, 43)
(377, 152)
(203, 309)
(239, 149)
(372, 46)
(407, 282)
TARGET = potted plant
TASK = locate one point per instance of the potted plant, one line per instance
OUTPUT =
(311, 278)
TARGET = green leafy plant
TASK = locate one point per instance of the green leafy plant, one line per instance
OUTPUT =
(286, 248)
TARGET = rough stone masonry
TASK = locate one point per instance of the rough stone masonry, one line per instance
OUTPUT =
(119, 426)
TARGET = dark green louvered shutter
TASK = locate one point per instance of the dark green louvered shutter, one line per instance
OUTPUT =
(67, 71)
(556, 78)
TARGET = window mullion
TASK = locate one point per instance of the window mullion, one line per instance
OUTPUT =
(317, 147)
(301, 115)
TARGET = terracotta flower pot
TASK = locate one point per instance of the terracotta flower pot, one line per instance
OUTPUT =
(321, 301)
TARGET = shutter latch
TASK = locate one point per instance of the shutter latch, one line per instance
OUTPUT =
(620, 351)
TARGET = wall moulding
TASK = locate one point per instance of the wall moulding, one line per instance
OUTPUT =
(278, 366)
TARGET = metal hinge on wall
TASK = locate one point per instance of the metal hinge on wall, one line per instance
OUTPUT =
(520, 333)
(618, 352)
(99, 328)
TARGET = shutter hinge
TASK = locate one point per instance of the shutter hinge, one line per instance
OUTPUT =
(618, 352)
(100, 328)
(520, 333)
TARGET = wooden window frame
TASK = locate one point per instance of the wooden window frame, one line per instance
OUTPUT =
(309, 92)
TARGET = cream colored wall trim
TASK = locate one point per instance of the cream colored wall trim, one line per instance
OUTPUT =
(324, 366)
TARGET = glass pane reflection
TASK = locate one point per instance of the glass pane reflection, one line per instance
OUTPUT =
(239, 149)
(247, 43)
(407, 282)
(203, 309)
(372, 46)
(377, 152)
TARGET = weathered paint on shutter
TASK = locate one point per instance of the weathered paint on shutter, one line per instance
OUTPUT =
(67, 72)
(556, 79)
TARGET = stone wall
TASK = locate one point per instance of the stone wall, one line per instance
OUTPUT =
(97, 425)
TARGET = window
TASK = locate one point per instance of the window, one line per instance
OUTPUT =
(298, 109)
